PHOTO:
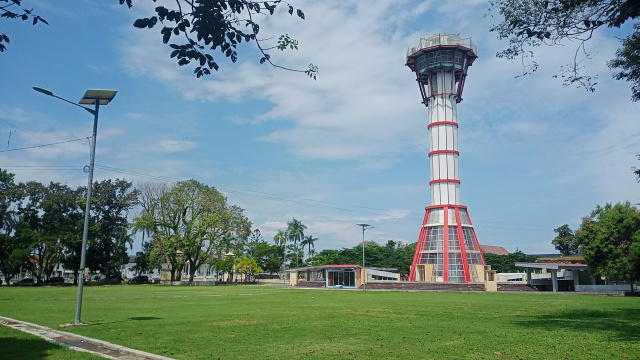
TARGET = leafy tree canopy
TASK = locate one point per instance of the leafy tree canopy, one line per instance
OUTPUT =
(11, 9)
(506, 263)
(565, 242)
(610, 240)
(528, 24)
(190, 222)
(196, 29)
(392, 255)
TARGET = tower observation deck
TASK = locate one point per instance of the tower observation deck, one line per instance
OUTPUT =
(448, 249)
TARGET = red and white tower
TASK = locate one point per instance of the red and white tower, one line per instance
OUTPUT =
(448, 249)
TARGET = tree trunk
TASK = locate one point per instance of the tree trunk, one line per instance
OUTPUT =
(173, 274)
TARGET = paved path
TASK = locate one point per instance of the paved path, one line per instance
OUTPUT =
(79, 342)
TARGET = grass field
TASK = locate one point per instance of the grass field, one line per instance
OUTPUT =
(15, 344)
(254, 322)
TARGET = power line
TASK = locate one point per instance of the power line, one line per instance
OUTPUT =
(42, 167)
(275, 197)
(43, 145)
(316, 203)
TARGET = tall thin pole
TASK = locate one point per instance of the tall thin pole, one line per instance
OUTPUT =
(364, 276)
(85, 231)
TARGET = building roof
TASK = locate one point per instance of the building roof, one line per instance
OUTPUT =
(552, 266)
(312, 267)
(341, 266)
(490, 249)
(577, 258)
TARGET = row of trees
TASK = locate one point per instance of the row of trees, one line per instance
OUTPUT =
(294, 235)
(42, 226)
(609, 239)
(391, 255)
(187, 223)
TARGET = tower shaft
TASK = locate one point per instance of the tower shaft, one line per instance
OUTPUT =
(447, 249)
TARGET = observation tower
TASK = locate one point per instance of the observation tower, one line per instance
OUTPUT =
(448, 249)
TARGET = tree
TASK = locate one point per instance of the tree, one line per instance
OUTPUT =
(636, 171)
(392, 255)
(628, 61)
(295, 231)
(10, 197)
(11, 9)
(309, 241)
(36, 221)
(529, 24)
(268, 257)
(191, 223)
(565, 242)
(506, 263)
(247, 267)
(208, 26)
(610, 238)
(52, 213)
(280, 239)
(143, 259)
(204, 27)
(109, 225)
(225, 265)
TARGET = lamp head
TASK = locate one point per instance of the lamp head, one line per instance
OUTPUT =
(43, 90)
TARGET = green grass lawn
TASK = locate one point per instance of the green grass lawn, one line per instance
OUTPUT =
(252, 322)
(15, 344)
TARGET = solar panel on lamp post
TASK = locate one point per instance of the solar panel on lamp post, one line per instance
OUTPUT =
(364, 279)
(97, 98)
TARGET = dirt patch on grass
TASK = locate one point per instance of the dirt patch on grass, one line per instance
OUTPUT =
(236, 322)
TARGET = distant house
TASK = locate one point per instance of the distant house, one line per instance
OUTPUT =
(497, 250)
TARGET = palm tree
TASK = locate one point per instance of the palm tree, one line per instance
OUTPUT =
(295, 230)
(308, 241)
(280, 239)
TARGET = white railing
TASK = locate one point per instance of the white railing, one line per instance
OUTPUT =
(443, 39)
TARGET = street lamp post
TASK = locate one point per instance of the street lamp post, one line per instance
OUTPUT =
(97, 98)
(364, 278)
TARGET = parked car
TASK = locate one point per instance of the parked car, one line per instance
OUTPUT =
(112, 280)
(23, 281)
(55, 280)
(141, 279)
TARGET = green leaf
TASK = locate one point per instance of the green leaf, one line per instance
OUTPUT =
(300, 14)
(141, 23)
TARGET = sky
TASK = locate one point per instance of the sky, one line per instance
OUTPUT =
(350, 147)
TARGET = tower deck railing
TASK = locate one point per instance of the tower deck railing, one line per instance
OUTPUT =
(445, 40)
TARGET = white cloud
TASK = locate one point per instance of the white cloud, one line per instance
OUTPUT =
(173, 146)
(527, 144)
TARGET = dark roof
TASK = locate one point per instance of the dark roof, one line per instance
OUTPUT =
(490, 249)
(341, 266)
(552, 266)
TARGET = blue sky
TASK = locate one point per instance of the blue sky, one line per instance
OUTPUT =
(348, 148)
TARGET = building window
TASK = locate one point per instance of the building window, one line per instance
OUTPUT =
(434, 237)
(470, 242)
(464, 217)
(456, 268)
(435, 217)
(454, 244)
